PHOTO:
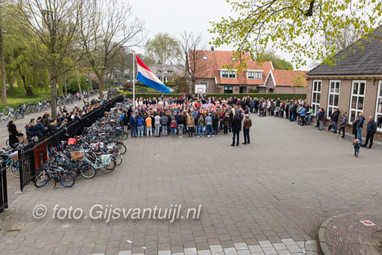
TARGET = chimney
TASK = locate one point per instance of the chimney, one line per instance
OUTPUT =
(212, 48)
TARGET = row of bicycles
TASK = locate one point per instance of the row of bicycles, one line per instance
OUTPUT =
(99, 148)
(10, 113)
(10, 158)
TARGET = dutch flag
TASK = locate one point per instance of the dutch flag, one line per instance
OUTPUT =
(147, 77)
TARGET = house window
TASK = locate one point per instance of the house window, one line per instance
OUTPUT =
(228, 90)
(228, 74)
(316, 96)
(357, 99)
(378, 111)
(254, 75)
(333, 98)
(165, 79)
(204, 57)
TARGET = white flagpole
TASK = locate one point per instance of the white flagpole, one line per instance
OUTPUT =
(134, 82)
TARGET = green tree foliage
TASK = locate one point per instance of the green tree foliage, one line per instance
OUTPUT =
(181, 84)
(277, 62)
(53, 25)
(73, 84)
(23, 64)
(163, 49)
(295, 26)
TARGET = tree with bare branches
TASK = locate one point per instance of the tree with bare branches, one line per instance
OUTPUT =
(106, 26)
(53, 26)
(192, 56)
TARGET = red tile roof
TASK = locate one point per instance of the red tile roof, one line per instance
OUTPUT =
(287, 77)
(216, 60)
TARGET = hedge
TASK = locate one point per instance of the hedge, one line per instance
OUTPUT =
(258, 95)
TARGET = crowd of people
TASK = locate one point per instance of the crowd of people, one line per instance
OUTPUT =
(200, 117)
(44, 125)
(189, 115)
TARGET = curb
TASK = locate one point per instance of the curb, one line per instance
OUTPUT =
(321, 232)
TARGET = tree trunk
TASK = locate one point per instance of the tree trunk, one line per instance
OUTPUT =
(78, 81)
(66, 88)
(53, 103)
(100, 83)
(27, 88)
(3, 84)
(186, 67)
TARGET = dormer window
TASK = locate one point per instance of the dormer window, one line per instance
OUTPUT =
(257, 75)
(225, 74)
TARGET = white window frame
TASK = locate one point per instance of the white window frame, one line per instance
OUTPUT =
(357, 111)
(257, 74)
(229, 73)
(231, 88)
(330, 105)
(379, 97)
(316, 105)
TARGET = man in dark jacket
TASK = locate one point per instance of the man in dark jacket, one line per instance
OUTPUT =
(371, 129)
(359, 126)
(41, 129)
(334, 119)
(320, 118)
(343, 122)
(247, 125)
(236, 128)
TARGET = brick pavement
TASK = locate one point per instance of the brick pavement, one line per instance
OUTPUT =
(360, 239)
(249, 194)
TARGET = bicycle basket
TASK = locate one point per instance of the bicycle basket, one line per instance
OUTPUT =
(106, 159)
(76, 155)
(14, 156)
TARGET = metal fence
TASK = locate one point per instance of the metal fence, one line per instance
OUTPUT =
(31, 157)
(3, 187)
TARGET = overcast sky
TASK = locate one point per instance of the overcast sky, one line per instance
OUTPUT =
(175, 16)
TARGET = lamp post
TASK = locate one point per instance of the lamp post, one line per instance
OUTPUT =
(87, 88)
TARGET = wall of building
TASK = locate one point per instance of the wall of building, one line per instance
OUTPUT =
(269, 84)
(345, 100)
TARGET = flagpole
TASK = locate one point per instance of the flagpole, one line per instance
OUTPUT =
(134, 82)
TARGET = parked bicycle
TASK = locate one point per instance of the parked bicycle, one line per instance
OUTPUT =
(57, 173)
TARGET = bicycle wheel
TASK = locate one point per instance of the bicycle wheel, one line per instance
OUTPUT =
(121, 148)
(109, 168)
(15, 169)
(66, 180)
(124, 136)
(118, 159)
(41, 179)
(87, 171)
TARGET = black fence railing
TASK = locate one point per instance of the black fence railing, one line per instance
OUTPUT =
(3, 187)
(31, 157)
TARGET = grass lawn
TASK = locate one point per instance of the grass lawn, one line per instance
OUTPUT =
(15, 100)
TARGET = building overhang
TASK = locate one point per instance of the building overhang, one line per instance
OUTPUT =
(345, 77)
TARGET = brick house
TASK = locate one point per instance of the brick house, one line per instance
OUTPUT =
(353, 85)
(285, 81)
(210, 71)
(166, 73)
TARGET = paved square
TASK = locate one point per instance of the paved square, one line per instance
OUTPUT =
(264, 198)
